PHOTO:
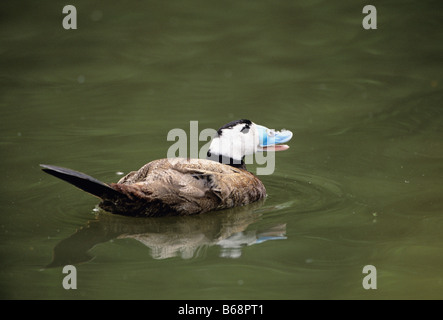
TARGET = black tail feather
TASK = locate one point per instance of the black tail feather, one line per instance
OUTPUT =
(82, 181)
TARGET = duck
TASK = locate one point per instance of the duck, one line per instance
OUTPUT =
(187, 186)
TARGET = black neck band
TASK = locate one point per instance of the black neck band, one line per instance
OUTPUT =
(227, 160)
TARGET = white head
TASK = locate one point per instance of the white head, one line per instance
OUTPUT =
(243, 137)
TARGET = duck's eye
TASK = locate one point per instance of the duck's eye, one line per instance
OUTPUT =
(270, 132)
(245, 129)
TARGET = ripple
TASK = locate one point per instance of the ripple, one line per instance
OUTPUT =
(305, 193)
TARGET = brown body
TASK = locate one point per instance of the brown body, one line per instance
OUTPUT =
(183, 187)
(187, 186)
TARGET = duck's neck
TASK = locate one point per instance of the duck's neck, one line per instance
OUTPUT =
(227, 160)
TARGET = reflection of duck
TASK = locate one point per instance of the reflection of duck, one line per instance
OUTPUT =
(188, 186)
(186, 237)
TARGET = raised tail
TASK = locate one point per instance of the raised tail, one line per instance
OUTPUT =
(83, 181)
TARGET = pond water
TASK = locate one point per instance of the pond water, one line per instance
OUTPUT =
(361, 184)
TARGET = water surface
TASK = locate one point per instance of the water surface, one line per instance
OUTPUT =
(360, 185)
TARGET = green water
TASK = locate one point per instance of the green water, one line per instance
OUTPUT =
(360, 185)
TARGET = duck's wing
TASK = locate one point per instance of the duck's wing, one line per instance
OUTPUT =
(191, 186)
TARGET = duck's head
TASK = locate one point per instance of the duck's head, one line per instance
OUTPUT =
(240, 138)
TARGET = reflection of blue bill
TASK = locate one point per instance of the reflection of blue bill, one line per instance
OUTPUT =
(263, 239)
(233, 245)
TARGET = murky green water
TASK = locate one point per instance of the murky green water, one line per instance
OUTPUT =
(361, 184)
